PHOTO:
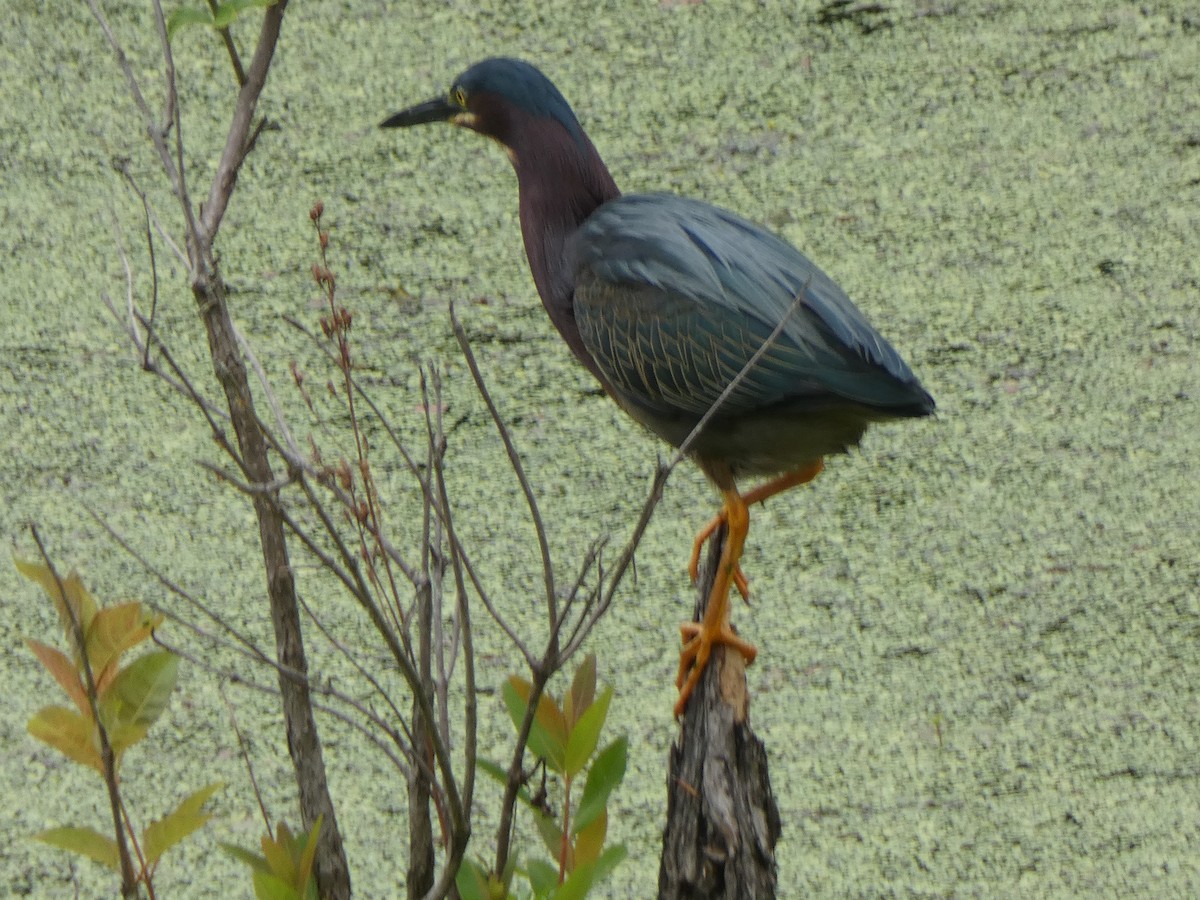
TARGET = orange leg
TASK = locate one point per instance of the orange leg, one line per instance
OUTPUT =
(759, 494)
(699, 637)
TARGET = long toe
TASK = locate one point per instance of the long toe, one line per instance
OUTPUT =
(699, 639)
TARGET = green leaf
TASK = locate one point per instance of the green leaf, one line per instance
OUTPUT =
(609, 860)
(253, 860)
(582, 743)
(68, 732)
(550, 832)
(228, 11)
(543, 877)
(471, 881)
(86, 842)
(548, 735)
(225, 14)
(163, 834)
(605, 774)
(583, 690)
(493, 769)
(139, 693)
(188, 15)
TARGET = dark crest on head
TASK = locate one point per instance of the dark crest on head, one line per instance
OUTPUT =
(522, 85)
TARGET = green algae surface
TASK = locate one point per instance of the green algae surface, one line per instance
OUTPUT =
(978, 635)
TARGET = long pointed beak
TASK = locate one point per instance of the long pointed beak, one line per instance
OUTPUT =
(439, 109)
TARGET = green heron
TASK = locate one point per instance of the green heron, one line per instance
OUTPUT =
(666, 300)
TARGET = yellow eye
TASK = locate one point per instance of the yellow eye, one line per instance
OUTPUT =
(458, 97)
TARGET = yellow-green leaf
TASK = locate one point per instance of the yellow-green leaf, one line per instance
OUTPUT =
(86, 842)
(277, 850)
(271, 887)
(122, 737)
(163, 834)
(577, 885)
(64, 672)
(582, 742)
(68, 732)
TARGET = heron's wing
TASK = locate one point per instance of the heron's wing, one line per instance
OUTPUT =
(674, 296)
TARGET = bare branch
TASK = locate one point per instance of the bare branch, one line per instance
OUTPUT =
(236, 143)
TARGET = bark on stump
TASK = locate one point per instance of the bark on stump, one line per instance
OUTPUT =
(722, 821)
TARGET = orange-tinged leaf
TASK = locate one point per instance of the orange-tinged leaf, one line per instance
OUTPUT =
(73, 596)
(590, 840)
(68, 732)
(86, 842)
(583, 690)
(163, 834)
(548, 737)
(64, 672)
(114, 630)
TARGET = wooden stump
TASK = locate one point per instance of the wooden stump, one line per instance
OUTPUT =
(722, 821)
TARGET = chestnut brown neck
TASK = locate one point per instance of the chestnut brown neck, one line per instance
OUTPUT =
(561, 181)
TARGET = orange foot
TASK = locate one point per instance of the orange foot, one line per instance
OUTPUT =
(699, 637)
(698, 641)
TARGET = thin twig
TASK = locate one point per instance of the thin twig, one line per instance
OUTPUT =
(686, 446)
(514, 459)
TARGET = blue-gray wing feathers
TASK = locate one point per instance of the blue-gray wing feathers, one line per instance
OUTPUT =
(673, 297)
